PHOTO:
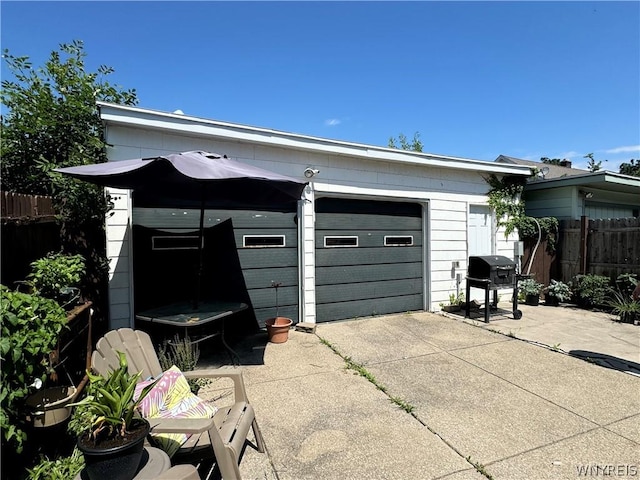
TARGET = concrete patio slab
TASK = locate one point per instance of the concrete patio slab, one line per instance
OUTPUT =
(481, 414)
(372, 339)
(333, 425)
(396, 337)
(595, 454)
(571, 329)
(628, 428)
(568, 382)
(485, 405)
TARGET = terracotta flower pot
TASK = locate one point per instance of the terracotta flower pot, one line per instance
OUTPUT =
(278, 329)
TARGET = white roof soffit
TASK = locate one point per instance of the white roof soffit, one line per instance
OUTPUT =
(144, 118)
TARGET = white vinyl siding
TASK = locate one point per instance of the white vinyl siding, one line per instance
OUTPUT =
(445, 187)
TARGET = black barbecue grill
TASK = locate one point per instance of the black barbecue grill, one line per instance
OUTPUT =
(492, 273)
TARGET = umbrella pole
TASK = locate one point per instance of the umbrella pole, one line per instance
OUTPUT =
(200, 254)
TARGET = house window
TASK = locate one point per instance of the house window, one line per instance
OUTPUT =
(182, 242)
(336, 241)
(398, 240)
(263, 241)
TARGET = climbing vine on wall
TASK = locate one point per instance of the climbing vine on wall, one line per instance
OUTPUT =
(505, 197)
(527, 228)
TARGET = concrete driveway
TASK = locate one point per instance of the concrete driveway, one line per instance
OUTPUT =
(591, 335)
(431, 397)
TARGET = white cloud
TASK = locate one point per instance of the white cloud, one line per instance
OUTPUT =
(332, 122)
(570, 155)
(627, 149)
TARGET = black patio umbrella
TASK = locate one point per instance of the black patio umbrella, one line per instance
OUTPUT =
(195, 180)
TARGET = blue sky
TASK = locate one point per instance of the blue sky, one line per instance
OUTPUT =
(476, 79)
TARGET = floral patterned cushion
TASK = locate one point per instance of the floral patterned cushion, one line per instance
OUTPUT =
(171, 397)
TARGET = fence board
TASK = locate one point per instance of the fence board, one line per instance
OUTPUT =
(613, 247)
(29, 232)
(544, 266)
(20, 206)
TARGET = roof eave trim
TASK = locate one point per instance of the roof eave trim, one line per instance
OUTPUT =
(139, 117)
(586, 179)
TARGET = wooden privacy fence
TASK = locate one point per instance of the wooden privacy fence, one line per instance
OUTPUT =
(18, 206)
(545, 264)
(606, 247)
(29, 231)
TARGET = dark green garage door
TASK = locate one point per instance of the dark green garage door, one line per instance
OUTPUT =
(268, 250)
(267, 246)
(368, 258)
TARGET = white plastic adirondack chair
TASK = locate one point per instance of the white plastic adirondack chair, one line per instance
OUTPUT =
(224, 435)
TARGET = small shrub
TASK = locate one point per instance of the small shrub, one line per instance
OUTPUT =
(81, 416)
(591, 290)
(30, 327)
(529, 287)
(62, 468)
(559, 290)
(624, 307)
(184, 354)
(54, 275)
(454, 300)
(626, 283)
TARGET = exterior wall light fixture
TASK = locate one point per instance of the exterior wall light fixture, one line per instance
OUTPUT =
(311, 172)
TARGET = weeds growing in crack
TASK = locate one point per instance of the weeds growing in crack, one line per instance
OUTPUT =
(479, 467)
(363, 372)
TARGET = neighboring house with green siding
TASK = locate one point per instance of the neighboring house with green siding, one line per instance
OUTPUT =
(569, 193)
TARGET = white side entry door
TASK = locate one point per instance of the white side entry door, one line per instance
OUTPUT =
(480, 234)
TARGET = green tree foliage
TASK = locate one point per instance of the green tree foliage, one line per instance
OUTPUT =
(402, 143)
(632, 167)
(593, 165)
(52, 120)
(551, 161)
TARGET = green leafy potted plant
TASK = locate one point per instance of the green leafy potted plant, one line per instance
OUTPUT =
(58, 276)
(30, 326)
(531, 291)
(557, 292)
(113, 445)
(624, 307)
(455, 303)
(591, 290)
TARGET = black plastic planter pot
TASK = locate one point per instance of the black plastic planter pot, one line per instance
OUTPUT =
(532, 300)
(551, 300)
(116, 463)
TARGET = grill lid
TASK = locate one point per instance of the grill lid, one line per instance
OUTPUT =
(491, 260)
(496, 268)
